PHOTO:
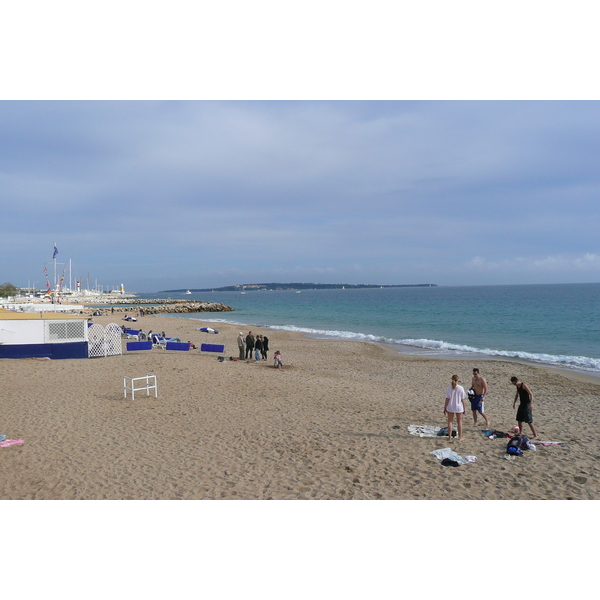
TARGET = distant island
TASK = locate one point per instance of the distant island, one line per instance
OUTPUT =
(295, 286)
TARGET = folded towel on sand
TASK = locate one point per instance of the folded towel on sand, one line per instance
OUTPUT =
(546, 443)
(424, 430)
(6, 443)
(449, 453)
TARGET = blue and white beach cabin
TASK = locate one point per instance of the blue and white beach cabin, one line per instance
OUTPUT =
(42, 334)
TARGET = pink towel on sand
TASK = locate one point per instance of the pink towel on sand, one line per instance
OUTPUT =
(6, 443)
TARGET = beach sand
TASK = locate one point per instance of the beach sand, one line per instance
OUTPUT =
(331, 425)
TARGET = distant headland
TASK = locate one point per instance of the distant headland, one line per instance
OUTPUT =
(295, 286)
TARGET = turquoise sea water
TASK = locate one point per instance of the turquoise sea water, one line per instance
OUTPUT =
(551, 324)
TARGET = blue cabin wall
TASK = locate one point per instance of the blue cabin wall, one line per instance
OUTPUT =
(54, 351)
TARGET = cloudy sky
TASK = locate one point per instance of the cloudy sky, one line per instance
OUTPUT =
(239, 143)
(173, 194)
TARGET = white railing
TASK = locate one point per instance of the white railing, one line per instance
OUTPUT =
(148, 382)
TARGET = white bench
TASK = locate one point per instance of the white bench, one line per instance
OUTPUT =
(148, 382)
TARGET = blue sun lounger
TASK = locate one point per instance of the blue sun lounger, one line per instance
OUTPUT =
(180, 346)
(131, 346)
(212, 348)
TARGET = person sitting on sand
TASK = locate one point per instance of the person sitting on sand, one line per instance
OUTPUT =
(277, 363)
(455, 405)
(524, 414)
(479, 385)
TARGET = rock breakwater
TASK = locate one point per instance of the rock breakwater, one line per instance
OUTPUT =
(186, 307)
(164, 306)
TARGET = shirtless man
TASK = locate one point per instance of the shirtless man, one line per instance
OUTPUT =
(479, 384)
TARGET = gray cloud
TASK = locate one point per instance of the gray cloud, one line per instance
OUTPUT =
(206, 193)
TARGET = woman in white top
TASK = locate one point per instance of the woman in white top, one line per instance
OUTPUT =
(455, 405)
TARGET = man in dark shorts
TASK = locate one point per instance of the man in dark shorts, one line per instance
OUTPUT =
(524, 414)
(480, 387)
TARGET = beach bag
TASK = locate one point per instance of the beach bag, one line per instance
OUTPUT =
(444, 432)
(471, 394)
(517, 445)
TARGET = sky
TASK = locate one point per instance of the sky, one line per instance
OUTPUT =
(192, 194)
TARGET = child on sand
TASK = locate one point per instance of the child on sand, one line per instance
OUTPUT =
(277, 360)
(455, 405)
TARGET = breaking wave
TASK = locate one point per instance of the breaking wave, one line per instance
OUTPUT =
(574, 362)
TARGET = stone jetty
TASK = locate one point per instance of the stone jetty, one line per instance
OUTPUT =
(153, 307)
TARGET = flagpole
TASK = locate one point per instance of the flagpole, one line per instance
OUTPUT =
(54, 288)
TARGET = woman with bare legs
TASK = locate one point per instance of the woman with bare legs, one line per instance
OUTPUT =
(455, 405)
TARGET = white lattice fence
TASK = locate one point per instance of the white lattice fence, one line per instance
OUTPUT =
(65, 331)
(96, 341)
(104, 341)
(112, 337)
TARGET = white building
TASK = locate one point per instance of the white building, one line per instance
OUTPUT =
(43, 334)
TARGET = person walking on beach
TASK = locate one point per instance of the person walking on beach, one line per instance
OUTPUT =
(479, 385)
(455, 405)
(241, 342)
(277, 363)
(524, 414)
(265, 346)
(249, 345)
(258, 347)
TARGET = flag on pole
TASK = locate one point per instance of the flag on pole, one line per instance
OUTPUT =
(48, 288)
(55, 251)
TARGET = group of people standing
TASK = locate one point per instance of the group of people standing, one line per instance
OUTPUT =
(455, 403)
(249, 344)
(260, 346)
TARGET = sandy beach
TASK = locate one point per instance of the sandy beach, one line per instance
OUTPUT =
(331, 425)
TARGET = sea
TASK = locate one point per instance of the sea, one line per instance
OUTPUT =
(554, 324)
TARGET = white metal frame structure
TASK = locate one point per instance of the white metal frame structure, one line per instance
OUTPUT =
(150, 384)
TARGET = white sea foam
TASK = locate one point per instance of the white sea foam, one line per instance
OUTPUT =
(574, 362)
